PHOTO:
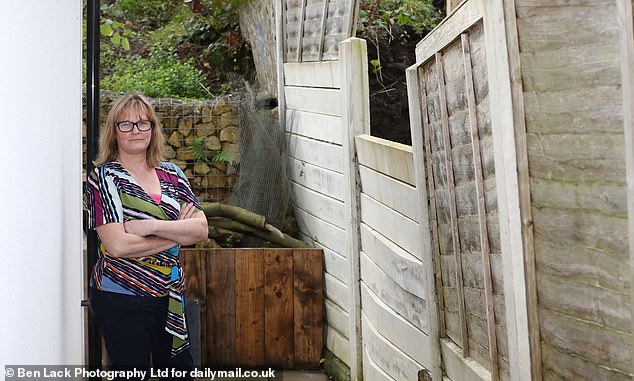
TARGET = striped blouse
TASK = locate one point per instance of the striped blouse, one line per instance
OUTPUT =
(113, 196)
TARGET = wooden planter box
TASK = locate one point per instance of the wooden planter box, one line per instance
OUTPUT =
(260, 307)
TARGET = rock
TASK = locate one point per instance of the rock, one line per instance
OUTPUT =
(230, 134)
(169, 152)
(205, 129)
(197, 181)
(176, 139)
(189, 140)
(221, 107)
(221, 165)
(189, 173)
(185, 153)
(185, 126)
(179, 163)
(201, 168)
(212, 143)
(227, 120)
(214, 179)
(169, 124)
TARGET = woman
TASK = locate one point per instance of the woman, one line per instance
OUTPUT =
(142, 208)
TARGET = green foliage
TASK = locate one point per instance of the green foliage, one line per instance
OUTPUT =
(117, 33)
(202, 51)
(152, 13)
(376, 65)
(200, 152)
(379, 15)
(162, 74)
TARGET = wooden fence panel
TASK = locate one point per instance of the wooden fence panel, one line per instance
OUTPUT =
(278, 308)
(219, 304)
(261, 307)
(249, 307)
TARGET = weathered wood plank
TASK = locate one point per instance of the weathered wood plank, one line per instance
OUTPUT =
(459, 368)
(338, 344)
(599, 345)
(484, 231)
(194, 265)
(559, 365)
(548, 26)
(249, 294)
(221, 308)
(394, 328)
(410, 307)
(334, 263)
(319, 179)
(452, 202)
(626, 50)
(336, 291)
(278, 308)
(300, 35)
(505, 92)
(468, 13)
(315, 152)
(322, 32)
(579, 227)
(324, 74)
(317, 204)
(371, 371)
(327, 234)
(387, 356)
(337, 318)
(421, 139)
(401, 230)
(607, 308)
(401, 266)
(356, 118)
(572, 67)
(598, 197)
(588, 266)
(390, 158)
(326, 128)
(397, 195)
(308, 307)
(312, 99)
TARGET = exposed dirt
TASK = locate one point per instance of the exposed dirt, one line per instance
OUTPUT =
(389, 110)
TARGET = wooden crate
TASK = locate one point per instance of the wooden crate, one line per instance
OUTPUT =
(261, 307)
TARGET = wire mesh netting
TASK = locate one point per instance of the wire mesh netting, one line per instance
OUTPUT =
(263, 186)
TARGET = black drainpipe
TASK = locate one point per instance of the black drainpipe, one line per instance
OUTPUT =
(92, 139)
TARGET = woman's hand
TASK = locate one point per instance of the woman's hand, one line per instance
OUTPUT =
(141, 228)
(187, 211)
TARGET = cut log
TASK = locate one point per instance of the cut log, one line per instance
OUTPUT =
(284, 240)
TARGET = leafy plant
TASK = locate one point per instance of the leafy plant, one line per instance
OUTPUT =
(162, 74)
(117, 33)
(200, 152)
(379, 15)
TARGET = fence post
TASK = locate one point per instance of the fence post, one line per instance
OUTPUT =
(416, 123)
(355, 119)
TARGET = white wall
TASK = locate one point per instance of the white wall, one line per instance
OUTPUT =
(40, 183)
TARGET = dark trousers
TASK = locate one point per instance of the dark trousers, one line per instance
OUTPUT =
(133, 327)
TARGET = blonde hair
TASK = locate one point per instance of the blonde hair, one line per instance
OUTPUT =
(108, 149)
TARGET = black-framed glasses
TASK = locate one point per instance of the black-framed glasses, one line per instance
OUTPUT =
(141, 125)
